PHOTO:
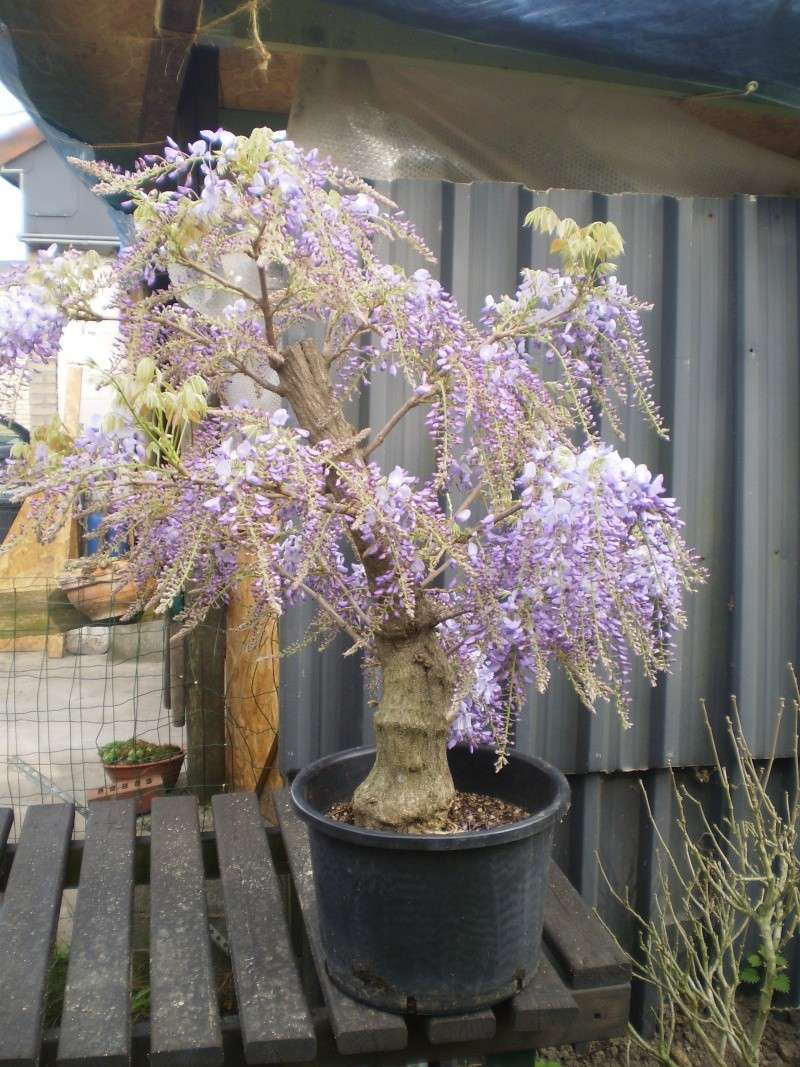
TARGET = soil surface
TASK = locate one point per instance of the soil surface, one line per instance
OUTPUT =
(780, 1048)
(469, 811)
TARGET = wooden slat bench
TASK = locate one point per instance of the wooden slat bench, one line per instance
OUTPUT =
(287, 1010)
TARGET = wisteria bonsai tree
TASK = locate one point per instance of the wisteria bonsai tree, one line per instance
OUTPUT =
(531, 543)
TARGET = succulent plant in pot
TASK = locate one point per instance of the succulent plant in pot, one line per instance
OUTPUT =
(134, 757)
(529, 545)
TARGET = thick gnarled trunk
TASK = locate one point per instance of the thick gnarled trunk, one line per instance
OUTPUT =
(410, 788)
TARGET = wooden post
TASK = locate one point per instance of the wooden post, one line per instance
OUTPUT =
(230, 673)
(197, 107)
(205, 706)
(170, 52)
(175, 681)
(252, 676)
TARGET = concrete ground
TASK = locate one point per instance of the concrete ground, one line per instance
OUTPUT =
(55, 712)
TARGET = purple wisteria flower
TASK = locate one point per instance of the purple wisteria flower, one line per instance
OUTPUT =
(531, 545)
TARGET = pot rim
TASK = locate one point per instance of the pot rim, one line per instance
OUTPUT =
(497, 835)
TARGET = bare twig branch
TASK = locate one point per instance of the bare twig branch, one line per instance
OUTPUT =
(219, 279)
(325, 604)
(409, 405)
(725, 909)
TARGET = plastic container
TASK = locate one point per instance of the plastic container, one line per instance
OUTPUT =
(88, 641)
(429, 923)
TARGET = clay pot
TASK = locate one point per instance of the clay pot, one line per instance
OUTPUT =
(169, 769)
(105, 593)
(141, 789)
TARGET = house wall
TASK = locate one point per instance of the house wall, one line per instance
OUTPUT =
(58, 204)
(59, 207)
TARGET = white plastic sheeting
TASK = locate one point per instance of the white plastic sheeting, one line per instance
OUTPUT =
(387, 120)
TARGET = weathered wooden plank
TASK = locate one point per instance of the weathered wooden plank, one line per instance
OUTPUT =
(95, 1027)
(582, 947)
(276, 1026)
(602, 1013)
(28, 923)
(544, 1001)
(357, 1028)
(474, 1026)
(184, 1013)
(208, 845)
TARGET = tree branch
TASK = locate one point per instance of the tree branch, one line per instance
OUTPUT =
(440, 568)
(413, 401)
(323, 603)
(465, 535)
(434, 574)
(456, 613)
(504, 335)
(506, 513)
(470, 498)
(242, 368)
(219, 280)
(269, 326)
(333, 356)
(264, 383)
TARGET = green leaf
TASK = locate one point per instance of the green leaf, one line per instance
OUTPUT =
(567, 228)
(543, 219)
(145, 211)
(781, 983)
(754, 959)
(781, 961)
(751, 976)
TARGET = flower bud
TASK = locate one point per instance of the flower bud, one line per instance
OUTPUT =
(145, 370)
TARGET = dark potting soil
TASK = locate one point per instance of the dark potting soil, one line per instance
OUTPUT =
(469, 811)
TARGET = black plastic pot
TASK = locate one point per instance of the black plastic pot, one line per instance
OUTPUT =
(428, 923)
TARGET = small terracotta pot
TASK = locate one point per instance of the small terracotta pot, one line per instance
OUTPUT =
(169, 769)
(106, 593)
(141, 789)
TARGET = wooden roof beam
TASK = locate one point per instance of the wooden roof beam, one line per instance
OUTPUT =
(317, 27)
(177, 23)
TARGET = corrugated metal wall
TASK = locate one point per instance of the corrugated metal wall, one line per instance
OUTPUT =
(723, 278)
(724, 335)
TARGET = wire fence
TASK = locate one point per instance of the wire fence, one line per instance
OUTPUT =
(70, 685)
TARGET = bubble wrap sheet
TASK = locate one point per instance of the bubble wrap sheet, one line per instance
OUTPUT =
(388, 120)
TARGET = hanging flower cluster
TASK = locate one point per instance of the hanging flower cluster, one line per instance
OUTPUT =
(520, 551)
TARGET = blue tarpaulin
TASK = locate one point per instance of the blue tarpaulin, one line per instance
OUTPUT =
(721, 44)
